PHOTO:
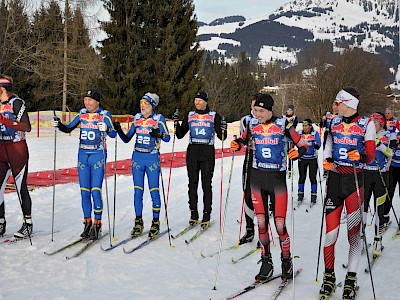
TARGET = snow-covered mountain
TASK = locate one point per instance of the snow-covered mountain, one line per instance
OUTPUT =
(368, 24)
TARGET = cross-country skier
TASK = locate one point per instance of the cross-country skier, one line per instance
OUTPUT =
(350, 142)
(95, 123)
(268, 178)
(291, 118)
(394, 178)
(248, 161)
(309, 160)
(150, 128)
(392, 124)
(14, 155)
(202, 125)
(375, 173)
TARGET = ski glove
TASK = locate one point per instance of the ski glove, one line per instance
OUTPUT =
(175, 115)
(293, 154)
(156, 133)
(328, 163)
(224, 125)
(102, 126)
(354, 155)
(55, 122)
(236, 144)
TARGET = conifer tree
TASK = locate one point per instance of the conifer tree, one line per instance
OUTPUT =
(150, 47)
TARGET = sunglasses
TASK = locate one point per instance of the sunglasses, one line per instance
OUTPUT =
(306, 123)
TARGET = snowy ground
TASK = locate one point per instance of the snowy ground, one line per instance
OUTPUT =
(159, 271)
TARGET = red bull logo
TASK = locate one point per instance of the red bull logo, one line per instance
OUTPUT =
(354, 129)
(91, 117)
(199, 117)
(347, 129)
(267, 129)
(6, 108)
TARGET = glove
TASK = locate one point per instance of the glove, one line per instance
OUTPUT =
(224, 125)
(293, 154)
(55, 122)
(102, 126)
(175, 115)
(236, 145)
(377, 141)
(117, 126)
(156, 133)
(353, 155)
(328, 164)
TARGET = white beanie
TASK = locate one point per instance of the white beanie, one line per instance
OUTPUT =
(347, 99)
(152, 98)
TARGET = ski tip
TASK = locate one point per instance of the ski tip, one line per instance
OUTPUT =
(202, 255)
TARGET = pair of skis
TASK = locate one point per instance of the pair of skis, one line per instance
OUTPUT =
(199, 232)
(256, 284)
(87, 244)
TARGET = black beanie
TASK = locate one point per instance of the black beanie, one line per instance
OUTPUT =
(265, 101)
(202, 95)
(94, 94)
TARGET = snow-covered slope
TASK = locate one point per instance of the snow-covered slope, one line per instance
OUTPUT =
(371, 25)
(159, 271)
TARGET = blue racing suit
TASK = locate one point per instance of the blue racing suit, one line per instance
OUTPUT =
(91, 157)
(146, 158)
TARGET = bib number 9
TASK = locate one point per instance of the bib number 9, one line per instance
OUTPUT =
(343, 153)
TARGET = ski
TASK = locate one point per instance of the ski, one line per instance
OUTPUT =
(197, 234)
(283, 284)
(310, 206)
(222, 250)
(299, 203)
(396, 234)
(88, 245)
(235, 261)
(146, 242)
(74, 243)
(184, 230)
(373, 261)
(126, 240)
(13, 239)
(252, 287)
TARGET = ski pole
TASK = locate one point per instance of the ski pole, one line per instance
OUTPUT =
(222, 177)
(223, 223)
(322, 225)
(363, 229)
(170, 166)
(292, 242)
(165, 204)
(105, 183)
(15, 181)
(387, 192)
(54, 179)
(246, 170)
(115, 188)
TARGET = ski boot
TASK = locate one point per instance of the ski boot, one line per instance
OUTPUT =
(138, 228)
(205, 223)
(313, 198)
(300, 196)
(328, 286)
(287, 268)
(194, 217)
(95, 231)
(377, 247)
(87, 225)
(248, 236)
(154, 229)
(25, 230)
(2, 226)
(349, 289)
(267, 268)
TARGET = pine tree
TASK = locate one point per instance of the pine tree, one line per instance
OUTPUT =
(150, 48)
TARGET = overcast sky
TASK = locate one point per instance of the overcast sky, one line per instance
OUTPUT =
(209, 10)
